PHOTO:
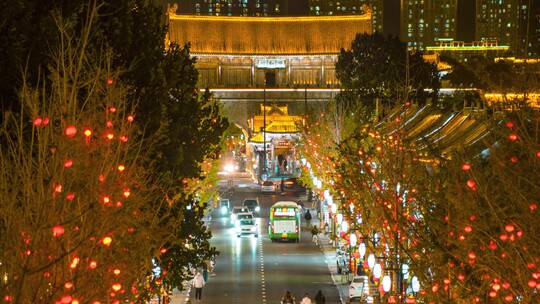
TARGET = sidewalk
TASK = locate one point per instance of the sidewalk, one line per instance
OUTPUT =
(341, 281)
(181, 297)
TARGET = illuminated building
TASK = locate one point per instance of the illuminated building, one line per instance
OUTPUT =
(233, 7)
(462, 51)
(534, 30)
(506, 21)
(427, 21)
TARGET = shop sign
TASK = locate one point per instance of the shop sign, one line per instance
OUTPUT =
(270, 63)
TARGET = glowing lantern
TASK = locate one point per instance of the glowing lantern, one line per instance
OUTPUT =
(415, 284)
(87, 132)
(107, 241)
(66, 299)
(109, 124)
(512, 137)
(435, 288)
(68, 163)
(93, 265)
(509, 228)
(353, 239)
(377, 271)
(508, 298)
(123, 138)
(538, 154)
(126, 192)
(116, 271)
(472, 255)
(109, 81)
(362, 250)
(112, 109)
(492, 245)
(339, 218)
(74, 262)
(58, 230)
(496, 287)
(70, 196)
(533, 207)
(75, 301)
(58, 188)
(344, 226)
(532, 283)
(514, 159)
(468, 229)
(471, 184)
(68, 285)
(106, 199)
(38, 121)
(466, 167)
(45, 121)
(116, 286)
(386, 283)
(121, 168)
(130, 118)
(371, 260)
(493, 294)
(70, 131)
(109, 136)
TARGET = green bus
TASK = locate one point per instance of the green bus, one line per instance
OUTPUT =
(284, 221)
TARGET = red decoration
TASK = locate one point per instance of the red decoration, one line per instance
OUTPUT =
(538, 154)
(109, 136)
(93, 265)
(123, 138)
(116, 271)
(130, 118)
(126, 192)
(58, 188)
(512, 137)
(466, 167)
(68, 163)
(471, 184)
(109, 81)
(468, 229)
(74, 262)
(70, 196)
(533, 207)
(121, 168)
(58, 230)
(68, 285)
(87, 132)
(514, 159)
(107, 241)
(70, 131)
(509, 228)
(66, 299)
(45, 121)
(510, 124)
(116, 286)
(38, 121)
(112, 109)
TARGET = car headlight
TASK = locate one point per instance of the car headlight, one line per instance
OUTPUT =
(223, 209)
(257, 209)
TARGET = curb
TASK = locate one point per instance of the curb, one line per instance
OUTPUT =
(329, 257)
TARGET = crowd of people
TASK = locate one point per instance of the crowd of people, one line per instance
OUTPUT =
(319, 298)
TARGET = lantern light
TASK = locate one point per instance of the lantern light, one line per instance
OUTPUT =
(353, 239)
(333, 208)
(405, 271)
(339, 218)
(130, 118)
(371, 260)
(415, 283)
(107, 241)
(377, 271)
(70, 131)
(344, 226)
(362, 249)
(386, 283)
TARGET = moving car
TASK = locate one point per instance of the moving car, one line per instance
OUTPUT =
(245, 224)
(224, 206)
(252, 204)
(235, 211)
(359, 288)
(268, 186)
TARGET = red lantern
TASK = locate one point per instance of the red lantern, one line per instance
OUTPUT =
(58, 230)
(116, 286)
(466, 167)
(38, 121)
(512, 137)
(68, 163)
(130, 118)
(70, 131)
(471, 184)
(70, 196)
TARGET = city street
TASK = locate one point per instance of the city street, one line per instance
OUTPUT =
(255, 270)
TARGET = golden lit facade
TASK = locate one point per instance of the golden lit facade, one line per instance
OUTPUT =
(463, 51)
(424, 22)
(244, 52)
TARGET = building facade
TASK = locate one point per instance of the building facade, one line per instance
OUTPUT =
(424, 22)
(350, 7)
(233, 7)
(506, 21)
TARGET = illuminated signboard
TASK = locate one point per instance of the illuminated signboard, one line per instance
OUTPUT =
(270, 63)
(284, 212)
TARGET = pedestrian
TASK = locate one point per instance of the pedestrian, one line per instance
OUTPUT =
(306, 299)
(314, 235)
(319, 298)
(307, 216)
(205, 274)
(198, 284)
(288, 298)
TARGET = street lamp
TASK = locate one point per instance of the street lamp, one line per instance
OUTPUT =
(371, 260)
(386, 283)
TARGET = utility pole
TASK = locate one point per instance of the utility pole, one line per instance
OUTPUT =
(264, 130)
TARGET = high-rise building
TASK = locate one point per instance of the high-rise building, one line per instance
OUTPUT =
(336, 7)
(507, 21)
(533, 49)
(235, 7)
(423, 22)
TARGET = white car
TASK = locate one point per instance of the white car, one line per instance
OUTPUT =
(359, 288)
(268, 186)
(235, 211)
(246, 224)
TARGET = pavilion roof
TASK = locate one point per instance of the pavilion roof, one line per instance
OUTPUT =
(267, 35)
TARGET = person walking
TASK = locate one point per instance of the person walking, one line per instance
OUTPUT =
(307, 217)
(198, 284)
(306, 299)
(288, 298)
(314, 235)
(319, 298)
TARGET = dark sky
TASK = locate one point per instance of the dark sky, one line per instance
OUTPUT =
(466, 20)
(298, 7)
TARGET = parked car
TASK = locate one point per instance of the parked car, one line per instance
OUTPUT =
(246, 224)
(224, 206)
(359, 288)
(268, 186)
(252, 204)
